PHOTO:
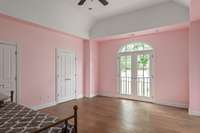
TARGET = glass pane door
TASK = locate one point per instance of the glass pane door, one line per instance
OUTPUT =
(143, 75)
(125, 64)
(135, 75)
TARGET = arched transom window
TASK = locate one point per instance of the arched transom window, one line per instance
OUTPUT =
(135, 46)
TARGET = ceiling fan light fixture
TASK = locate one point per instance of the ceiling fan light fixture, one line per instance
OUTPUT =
(104, 2)
(81, 2)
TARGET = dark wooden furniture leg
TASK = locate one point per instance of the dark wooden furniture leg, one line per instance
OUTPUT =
(11, 96)
(75, 119)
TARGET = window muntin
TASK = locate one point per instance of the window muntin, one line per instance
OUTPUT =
(135, 46)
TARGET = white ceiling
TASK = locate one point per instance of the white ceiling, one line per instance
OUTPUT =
(56, 14)
(168, 13)
(65, 15)
(117, 7)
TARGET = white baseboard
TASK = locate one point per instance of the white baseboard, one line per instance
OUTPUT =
(107, 95)
(46, 105)
(194, 113)
(79, 96)
(165, 103)
(172, 104)
(91, 96)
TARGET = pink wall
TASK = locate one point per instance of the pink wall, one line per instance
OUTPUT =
(97, 63)
(91, 68)
(170, 65)
(37, 46)
(194, 67)
(87, 68)
(195, 10)
(94, 67)
(194, 54)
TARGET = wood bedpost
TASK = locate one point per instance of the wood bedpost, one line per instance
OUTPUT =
(75, 119)
(64, 121)
(11, 96)
(66, 125)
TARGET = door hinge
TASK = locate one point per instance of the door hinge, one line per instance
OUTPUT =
(15, 77)
(15, 52)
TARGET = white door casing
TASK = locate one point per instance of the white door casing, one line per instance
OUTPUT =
(66, 76)
(8, 68)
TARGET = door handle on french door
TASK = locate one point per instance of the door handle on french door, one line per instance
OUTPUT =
(67, 79)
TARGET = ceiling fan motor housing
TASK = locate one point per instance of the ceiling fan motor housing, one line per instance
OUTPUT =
(104, 2)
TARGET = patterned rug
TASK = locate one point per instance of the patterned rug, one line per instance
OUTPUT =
(16, 118)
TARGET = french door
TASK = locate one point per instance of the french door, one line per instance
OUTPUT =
(66, 76)
(135, 75)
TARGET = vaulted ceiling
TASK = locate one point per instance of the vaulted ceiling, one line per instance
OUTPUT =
(67, 16)
(117, 7)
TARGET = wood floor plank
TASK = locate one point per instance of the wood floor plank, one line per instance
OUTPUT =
(111, 115)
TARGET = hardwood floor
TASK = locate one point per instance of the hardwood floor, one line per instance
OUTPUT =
(110, 115)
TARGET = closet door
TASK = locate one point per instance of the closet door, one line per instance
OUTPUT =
(8, 69)
(66, 76)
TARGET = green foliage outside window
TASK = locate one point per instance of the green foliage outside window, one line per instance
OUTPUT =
(143, 60)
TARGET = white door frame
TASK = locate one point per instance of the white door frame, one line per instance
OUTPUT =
(18, 66)
(56, 73)
(151, 99)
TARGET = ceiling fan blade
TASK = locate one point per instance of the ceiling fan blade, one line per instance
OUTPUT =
(104, 2)
(81, 2)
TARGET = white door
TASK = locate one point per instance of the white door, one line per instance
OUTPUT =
(8, 69)
(126, 75)
(135, 75)
(143, 75)
(66, 76)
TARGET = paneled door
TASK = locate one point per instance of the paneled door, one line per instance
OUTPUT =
(135, 75)
(8, 67)
(66, 76)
